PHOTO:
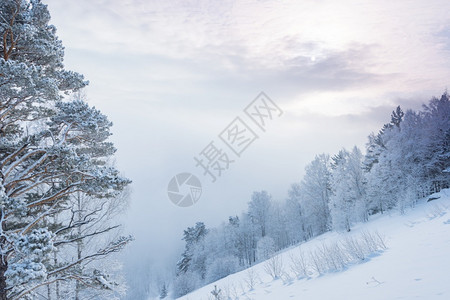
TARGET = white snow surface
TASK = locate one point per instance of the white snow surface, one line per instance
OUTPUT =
(415, 265)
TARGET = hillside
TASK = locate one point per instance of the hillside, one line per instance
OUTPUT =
(414, 264)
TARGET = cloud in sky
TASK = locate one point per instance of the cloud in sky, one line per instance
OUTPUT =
(317, 45)
(172, 74)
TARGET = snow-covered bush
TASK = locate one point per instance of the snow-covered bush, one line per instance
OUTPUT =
(354, 248)
(217, 293)
(299, 264)
(250, 278)
(337, 255)
(274, 266)
(373, 241)
(334, 258)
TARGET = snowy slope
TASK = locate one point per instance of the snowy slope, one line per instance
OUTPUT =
(415, 265)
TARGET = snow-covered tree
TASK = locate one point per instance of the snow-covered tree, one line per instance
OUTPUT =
(315, 190)
(380, 189)
(437, 150)
(93, 227)
(265, 248)
(347, 202)
(259, 209)
(163, 292)
(193, 236)
(245, 236)
(277, 228)
(342, 200)
(358, 183)
(185, 283)
(382, 174)
(374, 147)
(415, 153)
(295, 223)
(221, 267)
(50, 150)
(397, 116)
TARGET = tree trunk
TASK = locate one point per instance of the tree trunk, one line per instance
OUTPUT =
(79, 245)
(57, 282)
(3, 259)
(3, 268)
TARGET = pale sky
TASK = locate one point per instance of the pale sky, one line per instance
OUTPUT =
(171, 75)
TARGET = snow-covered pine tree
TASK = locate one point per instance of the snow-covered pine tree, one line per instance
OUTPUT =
(191, 268)
(437, 150)
(375, 146)
(164, 292)
(192, 236)
(49, 150)
(382, 182)
(381, 173)
(397, 116)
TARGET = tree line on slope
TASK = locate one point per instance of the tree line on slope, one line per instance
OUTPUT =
(408, 159)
